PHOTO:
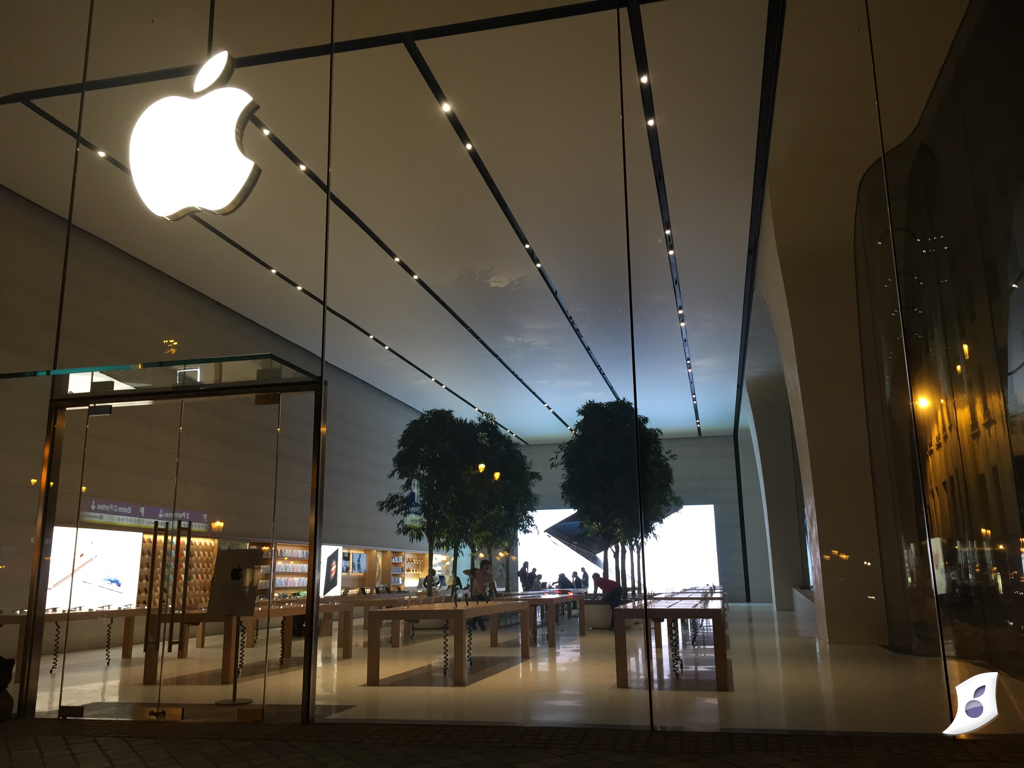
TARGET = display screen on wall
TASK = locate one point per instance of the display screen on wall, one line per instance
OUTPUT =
(330, 577)
(353, 562)
(102, 570)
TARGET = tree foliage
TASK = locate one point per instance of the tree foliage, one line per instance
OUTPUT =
(600, 473)
(459, 503)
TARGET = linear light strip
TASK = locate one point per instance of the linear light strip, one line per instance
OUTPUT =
(460, 131)
(252, 256)
(343, 46)
(401, 263)
(647, 96)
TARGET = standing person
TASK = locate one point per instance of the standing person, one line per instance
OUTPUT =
(533, 581)
(563, 582)
(585, 578)
(577, 582)
(524, 576)
(612, 590)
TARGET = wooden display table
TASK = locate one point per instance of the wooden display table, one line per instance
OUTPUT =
(61, 617)
(552, 600)
(456, 616)
(673, 610)
(287, 611)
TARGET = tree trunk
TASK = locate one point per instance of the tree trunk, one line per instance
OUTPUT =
(455, 564)
(430, 564)
(618, 564)
(605, 567)
(633, 572)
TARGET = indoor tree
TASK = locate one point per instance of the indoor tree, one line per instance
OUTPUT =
(506, 497)
(613, 460)
(440, 452)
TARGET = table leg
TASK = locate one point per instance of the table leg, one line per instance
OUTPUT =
(345, 633)
(287, 631)
(183, 632)
(656, 626)
(524, 632)
(151, 650)
(396, 633)
(372, 624)
(721, 659)
(495, 620)
(201, 634)
(21, 641)
(621, 669)
(459, 656)
(326, 624)
(552, 619)
(582, 604)
(250, 632)
(127, 637)
(227, 657)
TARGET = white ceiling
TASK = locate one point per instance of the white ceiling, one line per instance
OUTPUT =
(541, 104)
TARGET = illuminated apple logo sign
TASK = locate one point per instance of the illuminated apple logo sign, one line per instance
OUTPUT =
(185, 154)
(976, 704)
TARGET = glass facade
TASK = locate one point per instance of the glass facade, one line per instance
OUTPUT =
(600, 364)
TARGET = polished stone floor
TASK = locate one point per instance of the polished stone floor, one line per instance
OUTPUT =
(781, 679)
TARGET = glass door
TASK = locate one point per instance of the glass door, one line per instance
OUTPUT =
(167, 594)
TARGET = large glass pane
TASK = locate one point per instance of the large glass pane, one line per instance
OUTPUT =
(117, 480)
(477, 288)
(954, 175)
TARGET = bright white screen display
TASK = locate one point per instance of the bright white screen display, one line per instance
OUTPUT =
(104, 570)
(684, 554)
(330, 570)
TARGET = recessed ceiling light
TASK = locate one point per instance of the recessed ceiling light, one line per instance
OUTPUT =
(468, 145)
(651, 121)
(668, 231)
(680, 311)
(446, 107)
(415, 277)
(299, 287)
(386, 347)
(682, 324)
(671, 253)
(527, 246)
(371, 335)
(101, 153)
(266, 131)
(273, 271)
(643, 79)
(302, 167)
(397, 259)
(444, 386)
(538, 265)
(432, 378)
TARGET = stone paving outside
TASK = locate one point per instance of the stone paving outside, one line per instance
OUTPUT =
(96, 743)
